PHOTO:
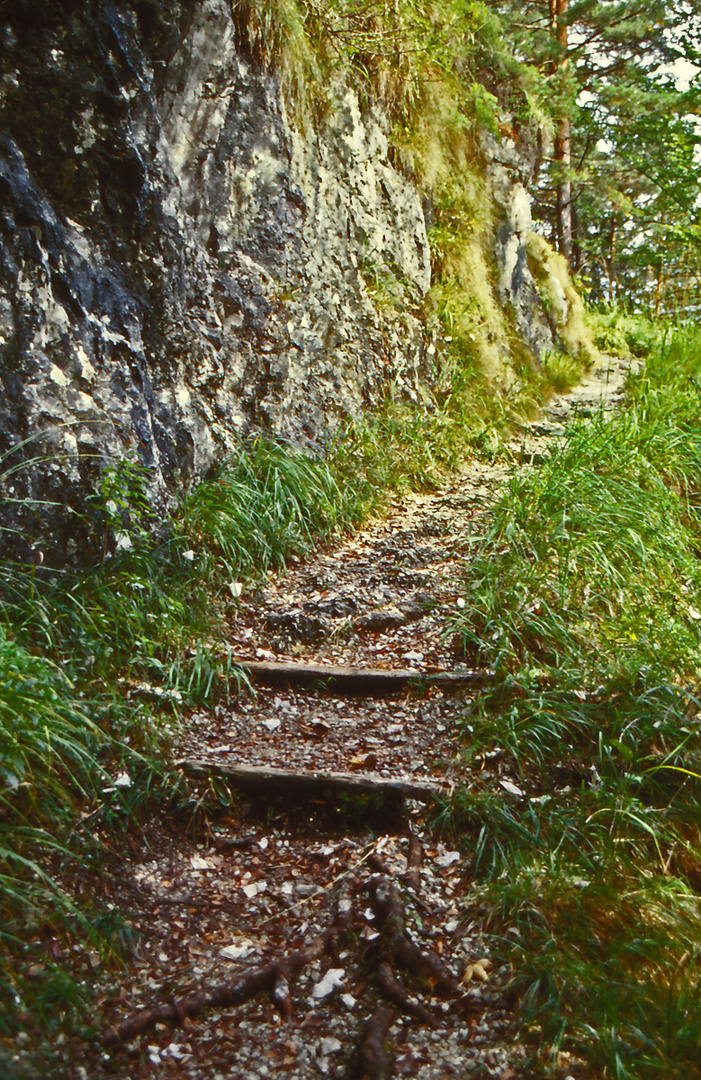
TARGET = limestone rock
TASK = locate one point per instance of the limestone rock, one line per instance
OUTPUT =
(182, 261)
(509, 169)
(178, 262)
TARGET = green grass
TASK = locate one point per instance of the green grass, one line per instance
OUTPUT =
(77, 651)
(585, 598)
(622, 334)
(82, 652)
(407, 446)
(52, 765)
(264, 504)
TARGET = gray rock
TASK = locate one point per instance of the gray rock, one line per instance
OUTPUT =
(337, 607)
(179, 263)
(182, 262)
(377, 622)
(417, 606)
(298, 626)
(510, 170)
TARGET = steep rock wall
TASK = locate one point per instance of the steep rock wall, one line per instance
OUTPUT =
(510, 171)
(178, 261)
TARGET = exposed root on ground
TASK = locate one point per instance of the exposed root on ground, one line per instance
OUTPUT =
(391, 950)
(274, 977)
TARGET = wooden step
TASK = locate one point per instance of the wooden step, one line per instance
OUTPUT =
(355, 680)
(257, 779)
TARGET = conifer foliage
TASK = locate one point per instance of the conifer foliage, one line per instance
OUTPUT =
(620, 183)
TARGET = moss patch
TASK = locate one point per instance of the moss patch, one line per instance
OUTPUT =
(561, 300)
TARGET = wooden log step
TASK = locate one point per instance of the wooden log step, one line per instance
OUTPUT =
(355, 680)
(307, 782)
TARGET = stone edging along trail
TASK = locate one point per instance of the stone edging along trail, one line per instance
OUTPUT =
(294, 940)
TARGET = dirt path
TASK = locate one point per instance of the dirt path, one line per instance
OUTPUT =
(330, 909)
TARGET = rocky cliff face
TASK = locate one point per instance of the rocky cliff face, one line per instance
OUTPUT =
(510, 170)
(179, 262)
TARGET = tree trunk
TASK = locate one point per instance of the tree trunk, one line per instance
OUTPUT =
(684, 305)
(563, 138)
(611, 263)
(563, 156)
(659, 285)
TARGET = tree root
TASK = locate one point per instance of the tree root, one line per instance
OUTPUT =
(413, 870)
(424, 963)
(392, 990)
(374, 1061)
(394, 949)
(344, 907)
(274, 978)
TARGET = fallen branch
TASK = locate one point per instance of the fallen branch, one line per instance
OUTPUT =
(273, 977)
(258, 778)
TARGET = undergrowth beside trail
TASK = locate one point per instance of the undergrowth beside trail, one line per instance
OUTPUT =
(585, 598)
(97, 664)
(82, 655)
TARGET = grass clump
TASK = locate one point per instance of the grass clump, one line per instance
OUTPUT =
(561, 300)
(265, 503)
(623, 334)
(52, 766)
(409, 446)
(154, 592)
(585, 598)
(80, 654)
(43, 735)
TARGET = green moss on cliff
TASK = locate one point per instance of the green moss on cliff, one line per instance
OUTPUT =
(426, 65)
(562, 301)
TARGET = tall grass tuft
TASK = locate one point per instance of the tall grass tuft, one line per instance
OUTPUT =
(585, 597)
(264, 504)
(47, 740)
(75, 745)
(52, 767)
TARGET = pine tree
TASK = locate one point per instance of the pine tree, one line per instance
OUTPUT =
(604, 67)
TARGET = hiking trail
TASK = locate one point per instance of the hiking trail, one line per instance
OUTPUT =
(320, 927)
